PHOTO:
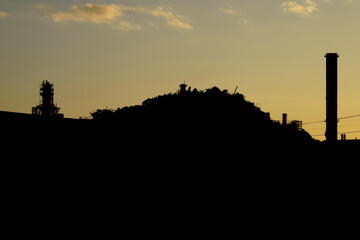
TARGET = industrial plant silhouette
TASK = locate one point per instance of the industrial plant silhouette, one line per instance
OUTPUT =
(200, 120)
(188, 123)
(46, 106)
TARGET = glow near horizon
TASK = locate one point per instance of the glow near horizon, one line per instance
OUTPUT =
(118, 53)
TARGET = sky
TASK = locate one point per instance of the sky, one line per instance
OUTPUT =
(112, 53)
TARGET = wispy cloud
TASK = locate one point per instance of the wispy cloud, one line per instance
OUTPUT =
(113, 14)
(90, 13)
(304, 9)
(229, 11)
(126, 26)
(172, 19)
(43, 6)
(233, 13)
(4, 14)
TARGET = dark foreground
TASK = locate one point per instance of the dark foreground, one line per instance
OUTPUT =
(85, 140)
(75, 178)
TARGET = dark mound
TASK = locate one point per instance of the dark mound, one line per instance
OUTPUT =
(210, 120)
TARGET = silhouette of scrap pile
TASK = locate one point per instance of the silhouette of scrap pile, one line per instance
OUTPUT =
(210, 118)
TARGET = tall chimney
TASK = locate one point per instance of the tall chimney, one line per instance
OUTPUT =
(331, 96)
(284, 119)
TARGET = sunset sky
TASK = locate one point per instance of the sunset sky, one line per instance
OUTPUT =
(113, 53)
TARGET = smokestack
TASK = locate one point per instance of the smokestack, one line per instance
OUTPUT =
(284, 119)
(331, 96)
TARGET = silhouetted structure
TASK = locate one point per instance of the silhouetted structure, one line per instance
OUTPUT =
(46, 106)
(209, 126)
(182, 88)
(284, 119)
(343, 137)
(331, 96)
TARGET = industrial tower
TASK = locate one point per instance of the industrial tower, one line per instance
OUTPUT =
(46, 106)
(331, 96)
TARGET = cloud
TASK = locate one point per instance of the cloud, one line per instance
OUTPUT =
(229, 11)
(233, 13)
(126, 26)
(170, 17)
(113, 14)
(294, 7)
(43, 6)
(90, 13)
(4, 14)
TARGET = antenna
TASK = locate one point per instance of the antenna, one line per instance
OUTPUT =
(235, 89)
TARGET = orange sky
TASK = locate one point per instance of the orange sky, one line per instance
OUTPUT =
(117, 53)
